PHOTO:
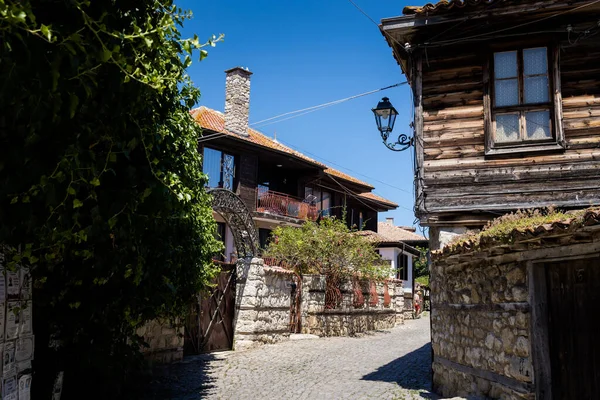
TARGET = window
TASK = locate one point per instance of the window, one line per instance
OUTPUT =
(264, 237)
(220, 236)
(402, 267)
(220, 168)
(522, 104)
(320, 198)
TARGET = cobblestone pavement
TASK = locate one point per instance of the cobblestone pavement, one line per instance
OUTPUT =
(394, 364)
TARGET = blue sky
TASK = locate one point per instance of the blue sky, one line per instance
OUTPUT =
(305, 53)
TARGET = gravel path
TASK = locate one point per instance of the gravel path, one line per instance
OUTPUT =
(394, 364)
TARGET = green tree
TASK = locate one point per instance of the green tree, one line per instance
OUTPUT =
(420, 268)
(101, 186)
(328, 248)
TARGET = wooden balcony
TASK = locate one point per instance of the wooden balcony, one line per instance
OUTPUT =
(270, 202)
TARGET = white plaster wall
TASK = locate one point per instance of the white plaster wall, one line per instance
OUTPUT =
(391, 253)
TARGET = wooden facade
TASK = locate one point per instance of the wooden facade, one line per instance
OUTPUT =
(289, 175)
(447, 55)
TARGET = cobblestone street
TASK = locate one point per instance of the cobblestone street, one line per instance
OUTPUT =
(393, 364)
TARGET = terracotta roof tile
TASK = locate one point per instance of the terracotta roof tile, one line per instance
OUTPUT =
(379, 199)
(444, 6)
(396, 233)
(339, 174)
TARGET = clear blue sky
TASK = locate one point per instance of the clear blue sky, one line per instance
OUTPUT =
(305, 53)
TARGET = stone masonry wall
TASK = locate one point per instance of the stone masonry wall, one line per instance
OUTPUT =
(482, 301)
(348, 319)
(263, 299)
(165, 341)
(480, 319)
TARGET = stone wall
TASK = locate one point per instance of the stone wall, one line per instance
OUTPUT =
(165, 341)
(347, 319)
(263, 299)
(485, 309)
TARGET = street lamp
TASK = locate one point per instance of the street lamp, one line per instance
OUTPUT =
(385, 117)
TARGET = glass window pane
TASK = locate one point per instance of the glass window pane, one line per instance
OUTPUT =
(211, 165)
(507, 93)
(228, 171)
(538, 125)
(326, 204)
(536, 89)
(507, 128)
(505, 65)
(535, 61)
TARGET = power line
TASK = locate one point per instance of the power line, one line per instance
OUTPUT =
(346, 168)
(377, 25)
(308, 110)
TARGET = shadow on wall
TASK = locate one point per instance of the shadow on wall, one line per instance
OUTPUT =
(184, 380)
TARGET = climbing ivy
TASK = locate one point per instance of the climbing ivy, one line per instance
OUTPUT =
(101, 187)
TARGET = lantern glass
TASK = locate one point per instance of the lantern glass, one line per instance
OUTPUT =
(385, 116)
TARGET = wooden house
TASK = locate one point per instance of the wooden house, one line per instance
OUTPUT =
(279, 185)
(507, 107)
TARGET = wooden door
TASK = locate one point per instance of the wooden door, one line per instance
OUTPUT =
(573, 328)
(210, 325)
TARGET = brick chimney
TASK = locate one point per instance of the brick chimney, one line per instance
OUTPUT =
(237, 100)
(390, 220)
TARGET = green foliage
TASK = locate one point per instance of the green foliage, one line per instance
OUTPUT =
(420, 267)
(329, 248)
(423, 280)
(501, 228)
(101, 186)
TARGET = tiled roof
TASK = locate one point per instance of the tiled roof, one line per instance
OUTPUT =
(563, 232)
(374, 237)
(379, 199)
(396, 233)
(444, 6)
(215, 121)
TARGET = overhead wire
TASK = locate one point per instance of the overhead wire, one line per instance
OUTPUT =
(343, 167)
(308, 110)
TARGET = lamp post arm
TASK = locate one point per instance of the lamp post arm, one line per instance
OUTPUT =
(403, 143)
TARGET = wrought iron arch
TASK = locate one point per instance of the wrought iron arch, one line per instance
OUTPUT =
(238, 218)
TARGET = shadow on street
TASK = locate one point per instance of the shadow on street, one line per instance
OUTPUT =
(187, 379)
(411, 371)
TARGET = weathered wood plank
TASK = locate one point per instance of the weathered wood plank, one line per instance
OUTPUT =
(454, 112)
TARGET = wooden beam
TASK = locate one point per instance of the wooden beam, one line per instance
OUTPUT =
(418, 131)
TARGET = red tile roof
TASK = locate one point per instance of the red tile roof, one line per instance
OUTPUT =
(444, 6)
(215, 121)
(396, 233)
(378, 199)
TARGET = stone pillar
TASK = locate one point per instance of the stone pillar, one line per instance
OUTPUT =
(399, 302)
(249, 281)
(237, 100)
(313, 301)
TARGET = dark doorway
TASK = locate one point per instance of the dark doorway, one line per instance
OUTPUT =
(573, 310)
(210, 327)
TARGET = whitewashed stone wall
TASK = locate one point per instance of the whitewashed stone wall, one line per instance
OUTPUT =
(263, 299)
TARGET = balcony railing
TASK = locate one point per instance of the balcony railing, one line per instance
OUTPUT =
(270, 202)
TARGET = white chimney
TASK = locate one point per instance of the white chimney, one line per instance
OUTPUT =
(237, 100)
(390, 220)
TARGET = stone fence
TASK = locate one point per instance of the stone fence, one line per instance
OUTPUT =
(489, 315)
(349, 318)
(264, 299)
